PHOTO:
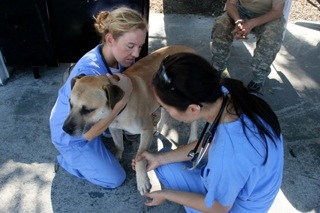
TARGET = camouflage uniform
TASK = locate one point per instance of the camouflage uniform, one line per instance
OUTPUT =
(269, 40)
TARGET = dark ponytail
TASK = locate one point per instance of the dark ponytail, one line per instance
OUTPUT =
(193, 80)
(255, 108)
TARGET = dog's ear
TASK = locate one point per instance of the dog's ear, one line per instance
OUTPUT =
(73, 80)
(114, 94)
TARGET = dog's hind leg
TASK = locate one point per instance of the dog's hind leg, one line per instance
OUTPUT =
(163, 119)
(156, 116)
(193, 132)
(117, 136)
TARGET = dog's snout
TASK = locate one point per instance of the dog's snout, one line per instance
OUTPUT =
(69, 128)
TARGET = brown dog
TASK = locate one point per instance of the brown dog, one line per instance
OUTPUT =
(98, 93)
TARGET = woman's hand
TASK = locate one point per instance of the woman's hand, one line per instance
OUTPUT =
(154, 198)
(153, 160)
(123, 82)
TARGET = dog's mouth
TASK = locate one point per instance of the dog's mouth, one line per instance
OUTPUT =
(74, 129)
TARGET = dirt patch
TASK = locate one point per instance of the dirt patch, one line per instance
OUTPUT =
(301, 9)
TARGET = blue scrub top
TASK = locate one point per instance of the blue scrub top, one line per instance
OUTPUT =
(235, 174)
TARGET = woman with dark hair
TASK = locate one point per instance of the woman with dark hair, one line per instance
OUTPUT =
(237, 164)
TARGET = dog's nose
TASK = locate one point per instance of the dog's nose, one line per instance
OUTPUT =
(68, 128)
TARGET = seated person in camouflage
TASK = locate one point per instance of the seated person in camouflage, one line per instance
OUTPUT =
(265, 19)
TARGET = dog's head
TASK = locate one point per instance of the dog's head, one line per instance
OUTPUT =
(92, 98)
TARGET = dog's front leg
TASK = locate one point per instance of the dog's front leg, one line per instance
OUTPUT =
(117, 136)
(143, 182)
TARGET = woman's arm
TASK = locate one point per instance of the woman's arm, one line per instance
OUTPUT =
(97, 129)
(178, 155)
(155, 160)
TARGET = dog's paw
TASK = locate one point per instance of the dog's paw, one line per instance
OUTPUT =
(143, 183)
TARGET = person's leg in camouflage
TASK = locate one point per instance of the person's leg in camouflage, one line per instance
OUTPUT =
(269, 41)
(222, 39)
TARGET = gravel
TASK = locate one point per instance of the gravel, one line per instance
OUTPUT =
(308, 10)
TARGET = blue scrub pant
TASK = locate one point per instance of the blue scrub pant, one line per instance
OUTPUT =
(93, 162)
(176, 176)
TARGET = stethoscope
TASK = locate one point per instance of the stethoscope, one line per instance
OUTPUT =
(206, 137)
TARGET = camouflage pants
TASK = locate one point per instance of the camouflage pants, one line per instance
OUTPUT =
(269, 39)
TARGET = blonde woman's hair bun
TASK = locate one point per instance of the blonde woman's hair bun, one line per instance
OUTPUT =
(100, 21)
(118, 22)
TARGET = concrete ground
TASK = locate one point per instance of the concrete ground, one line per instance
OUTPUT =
(27, 179)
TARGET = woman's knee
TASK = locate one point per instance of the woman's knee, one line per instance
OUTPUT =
(110, 181)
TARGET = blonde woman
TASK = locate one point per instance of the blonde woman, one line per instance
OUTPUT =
(123, 33)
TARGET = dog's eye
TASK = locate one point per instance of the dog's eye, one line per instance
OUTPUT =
(85, 111)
